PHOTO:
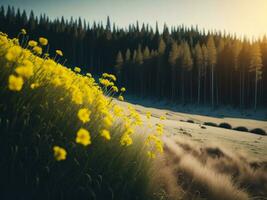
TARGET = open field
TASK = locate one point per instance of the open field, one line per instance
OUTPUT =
(205, 162)
(176, 125)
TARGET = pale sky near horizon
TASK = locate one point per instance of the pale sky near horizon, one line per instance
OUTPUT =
(243, 17)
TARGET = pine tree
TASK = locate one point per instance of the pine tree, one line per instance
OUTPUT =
(174, 53)
(212, 59)
(134, 56)
(139, 56)
(119, 62)
(236, 48)
(205, 65)
(173, 56)
(128, 55)
(187, 63)
(146, 53)
(199, 64)
(161, 47)
(256, 67)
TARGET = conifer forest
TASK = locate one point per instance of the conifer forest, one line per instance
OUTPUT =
(184, 65)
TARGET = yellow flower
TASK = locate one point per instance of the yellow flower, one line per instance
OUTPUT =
(126, 140)
(151, 154)
(46, 55)
(106, 134)
(107, 121)
(26, 69)
(23, 31)
(38, 50)
(110, 76)
(123, 89)
(77, 96)
(32, 43)
(84, 115)
(105, 82)
(56, 82)
(43, 41)
(13, 53)
(159, 129)
(15, 83)
(159, 146)
(83, 137)
(117, 111)
(59, 153)
(113, 77)
(162, 117)
(121, 98)
(89, 75)
(59, 52)
(34, 85)
(148, 115)
(77, 69)
(115, 89)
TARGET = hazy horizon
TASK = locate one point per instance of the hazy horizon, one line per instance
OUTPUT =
(241, 17)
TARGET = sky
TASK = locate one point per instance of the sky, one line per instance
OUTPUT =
(243, 17)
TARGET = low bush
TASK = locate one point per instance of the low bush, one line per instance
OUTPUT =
(210, 124)
(258, 131)
(225, 125)
(190, 121)
(241, 128)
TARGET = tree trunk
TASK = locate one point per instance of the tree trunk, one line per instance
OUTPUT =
(198, 91)
(240, 89)
(212, 86)
(256, 90)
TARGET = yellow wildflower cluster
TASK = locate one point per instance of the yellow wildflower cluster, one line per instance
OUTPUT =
(59, 153)
(77, 69)
(123, 89)
(23, 31)
(83, 137)
(84, 115)
(25, 69)
(59, 52)
(162, 117)
(15, 83)
(106, 134)
(32, 43)
(155, 145)
(43, 41)
(106, 82)
(109, 76)
(148, 115)
(13, 53)
(28, 68)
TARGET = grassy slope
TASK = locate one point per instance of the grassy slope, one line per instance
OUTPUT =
(35, 119)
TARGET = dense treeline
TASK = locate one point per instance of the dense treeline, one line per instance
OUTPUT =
(181, 64)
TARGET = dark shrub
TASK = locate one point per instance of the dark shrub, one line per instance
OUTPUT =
(210, 124)
(190, 121)
(225, 125)
(258, 131)
(241, 128)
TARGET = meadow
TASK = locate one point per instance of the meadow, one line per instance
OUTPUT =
(62, 135)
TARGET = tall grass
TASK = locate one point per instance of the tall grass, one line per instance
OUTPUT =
(39, 109)
(205, 171)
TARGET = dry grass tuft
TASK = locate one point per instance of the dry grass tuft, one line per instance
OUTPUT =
(189, 170)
